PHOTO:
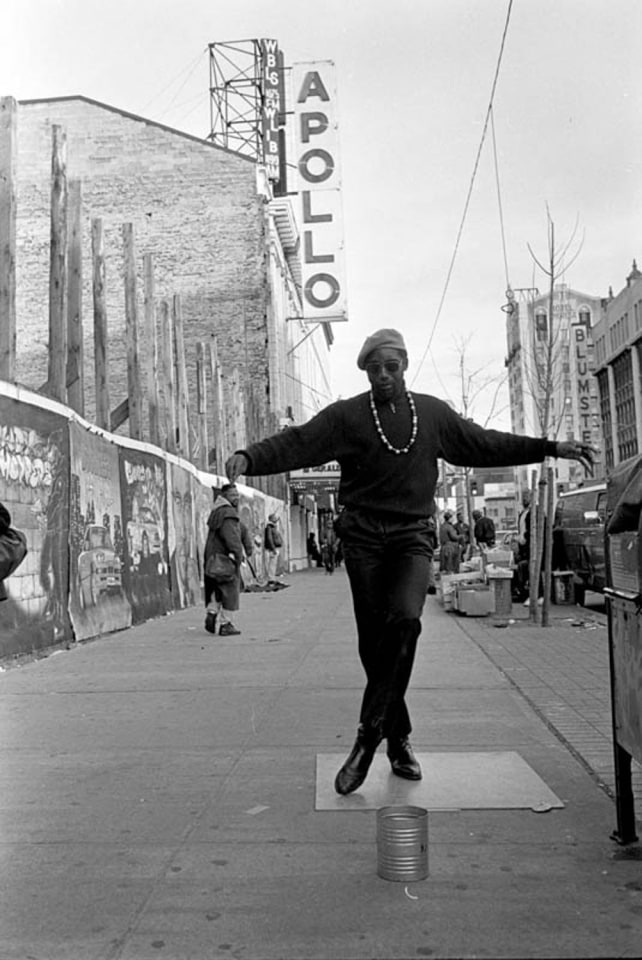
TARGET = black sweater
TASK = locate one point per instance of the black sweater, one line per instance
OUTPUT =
(376, 479)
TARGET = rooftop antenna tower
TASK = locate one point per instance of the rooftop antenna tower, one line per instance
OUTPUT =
(247, 100)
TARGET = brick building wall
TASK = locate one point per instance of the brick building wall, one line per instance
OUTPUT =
(195, 207)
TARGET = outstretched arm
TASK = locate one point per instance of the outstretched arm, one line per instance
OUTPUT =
(574, 450)
(236, 466)
(308, 445)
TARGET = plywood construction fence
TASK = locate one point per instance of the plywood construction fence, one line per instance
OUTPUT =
(115, 527)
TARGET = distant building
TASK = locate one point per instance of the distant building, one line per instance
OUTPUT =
(573, 411)
(618, 368)
(502, 510)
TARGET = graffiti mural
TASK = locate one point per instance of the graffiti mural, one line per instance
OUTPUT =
(183, 559)
(144, 511)
(97, 601)
(34, 486)
(115, 531)
(203, 503)
(253, 514)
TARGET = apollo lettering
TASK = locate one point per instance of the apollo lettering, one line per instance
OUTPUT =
(319, 181)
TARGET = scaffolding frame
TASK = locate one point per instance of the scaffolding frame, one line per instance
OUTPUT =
(237, 96)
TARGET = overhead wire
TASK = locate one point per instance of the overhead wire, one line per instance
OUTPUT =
(499, 199)
(468, 195)
(191, 67)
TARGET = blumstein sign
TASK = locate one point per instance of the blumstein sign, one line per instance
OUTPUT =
(316, 144)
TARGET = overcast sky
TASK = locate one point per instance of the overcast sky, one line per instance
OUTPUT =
(414, 82)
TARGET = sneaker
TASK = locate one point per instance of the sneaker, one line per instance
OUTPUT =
(228, 630)
(210, 622)
(540, 602)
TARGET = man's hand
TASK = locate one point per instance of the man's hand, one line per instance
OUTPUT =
(574, 450)
(236, 466)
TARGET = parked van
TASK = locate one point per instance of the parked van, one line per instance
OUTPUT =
(578, 533)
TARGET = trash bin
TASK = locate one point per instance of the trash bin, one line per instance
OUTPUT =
(500, 580)
(562, 589)
(623, 593)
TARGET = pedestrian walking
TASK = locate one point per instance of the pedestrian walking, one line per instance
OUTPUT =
(273, 543)
(521, 580)
(449, 544)
(463, 530)
(388, 441)
(314, 554)
(484, 530)
(433, 538)
(338, 553)
(223, 558)
(247, 541)
(329, 548)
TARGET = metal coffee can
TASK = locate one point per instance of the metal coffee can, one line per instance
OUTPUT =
(402, 843)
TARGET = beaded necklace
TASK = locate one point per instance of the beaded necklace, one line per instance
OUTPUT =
(383, 437)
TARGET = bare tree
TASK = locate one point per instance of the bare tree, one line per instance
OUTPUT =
(543, 380)
(473, 383)
(544, 374)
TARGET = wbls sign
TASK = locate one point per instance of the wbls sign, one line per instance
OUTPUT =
(271, 89)
(319, 186)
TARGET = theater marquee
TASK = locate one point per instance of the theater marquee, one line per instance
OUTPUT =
(319, 191)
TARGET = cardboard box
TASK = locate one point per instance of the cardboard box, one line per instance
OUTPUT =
(498, 558)
(475, 601)
(448, 583)
(447, 580)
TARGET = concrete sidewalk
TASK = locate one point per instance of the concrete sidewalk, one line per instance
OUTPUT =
(563, 673)
(158, 794)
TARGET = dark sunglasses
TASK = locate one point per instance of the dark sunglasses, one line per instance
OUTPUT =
(390, 366)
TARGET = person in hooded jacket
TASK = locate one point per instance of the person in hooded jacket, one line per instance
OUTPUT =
(222, 598)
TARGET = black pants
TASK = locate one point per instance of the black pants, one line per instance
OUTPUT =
(388, 565)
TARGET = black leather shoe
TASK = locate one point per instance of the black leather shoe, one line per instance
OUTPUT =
(402, 759)
(355, 770)
(210, 622)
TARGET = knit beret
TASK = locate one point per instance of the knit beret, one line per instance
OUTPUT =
(382, 338)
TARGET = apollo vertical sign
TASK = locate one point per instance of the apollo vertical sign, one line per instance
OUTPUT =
(319, 187)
